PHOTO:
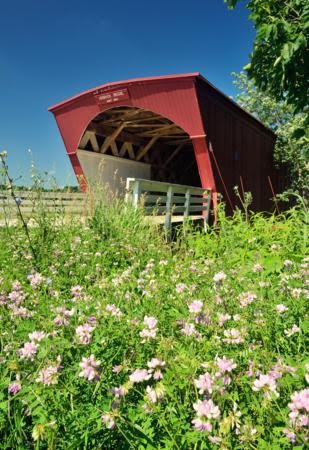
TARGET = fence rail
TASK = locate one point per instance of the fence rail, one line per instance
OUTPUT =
(168, 199)
(29, 202)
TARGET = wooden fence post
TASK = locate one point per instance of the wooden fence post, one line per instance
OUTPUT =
(168, 216)
(187, 203)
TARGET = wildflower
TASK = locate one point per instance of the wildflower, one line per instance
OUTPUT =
(188, 329)
(225, 365)
(180, 288)
(206, 408)
(233, 336)
(196, 306)
(219, 277)
(113, 310)
(28, 351)
(155, 394)
(246, 298)
(35, 279)
(287, 263)
(290, 435)
(119, 391)
(48, 375)
(150, 322)
(267, 384)
(281, 308)
(258, 268)
(108, 420)
(204, 383)
(155, 362)
(77, 292)
(83, 333)
(215, 439)
(37, 336)
(13, 388)
(291, 331)
(139, 375)
(89, 368)
(202, 425)
(300, 400)
(222, 318)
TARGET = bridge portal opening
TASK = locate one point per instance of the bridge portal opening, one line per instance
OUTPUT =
(128, 142)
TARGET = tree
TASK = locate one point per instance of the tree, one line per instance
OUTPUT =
(292, 149)
(280, 58)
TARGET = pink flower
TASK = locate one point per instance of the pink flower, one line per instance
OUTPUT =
(155, 362)
(113, 310)
(300, 400)
(139, 375)
(225, 365)
(204, 383)
(202, 425)
(196, 306)
(156, 394)
(206, 408)
(89, 368)
(222, 318)
(77, 291)
(28, 351)
(257, 268)
(13, 388)
(266, 383)
(188, 329)
(37, 336)
(35, 279)
(246, 298)
(291, 331)
(108, 420)
(233, 336)
(83, 333)
(180, 288)
(219, 277)
(150, 322)
(48, 375)
(290, 435)
(281, 308)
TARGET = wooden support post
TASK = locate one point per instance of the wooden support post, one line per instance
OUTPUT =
(187, 203)
(168, 216)
(206, 214)
(136, 193)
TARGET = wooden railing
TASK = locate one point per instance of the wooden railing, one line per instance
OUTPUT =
(169, 200)
(30, 201)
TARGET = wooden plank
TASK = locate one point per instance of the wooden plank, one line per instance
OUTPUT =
(43, 195)
(146, 148)
(158, 186)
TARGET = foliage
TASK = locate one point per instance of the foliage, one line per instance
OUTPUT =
(280, 57)
(292, 147)
(119, 341)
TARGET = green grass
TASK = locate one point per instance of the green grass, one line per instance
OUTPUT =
(113, 273)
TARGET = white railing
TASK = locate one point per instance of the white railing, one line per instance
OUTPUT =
(169, 200)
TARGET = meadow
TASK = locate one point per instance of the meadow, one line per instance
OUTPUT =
(112, 339)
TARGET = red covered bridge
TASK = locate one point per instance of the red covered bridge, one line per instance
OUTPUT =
(178, 129)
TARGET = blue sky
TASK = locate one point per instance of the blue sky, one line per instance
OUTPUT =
(52, 49)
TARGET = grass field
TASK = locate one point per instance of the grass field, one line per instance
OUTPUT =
(112, 339)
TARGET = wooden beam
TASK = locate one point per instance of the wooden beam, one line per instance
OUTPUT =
(114, 148)
(174, 153)
(89, 136)
(130, 150)
(111, 138)
(147, 147)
